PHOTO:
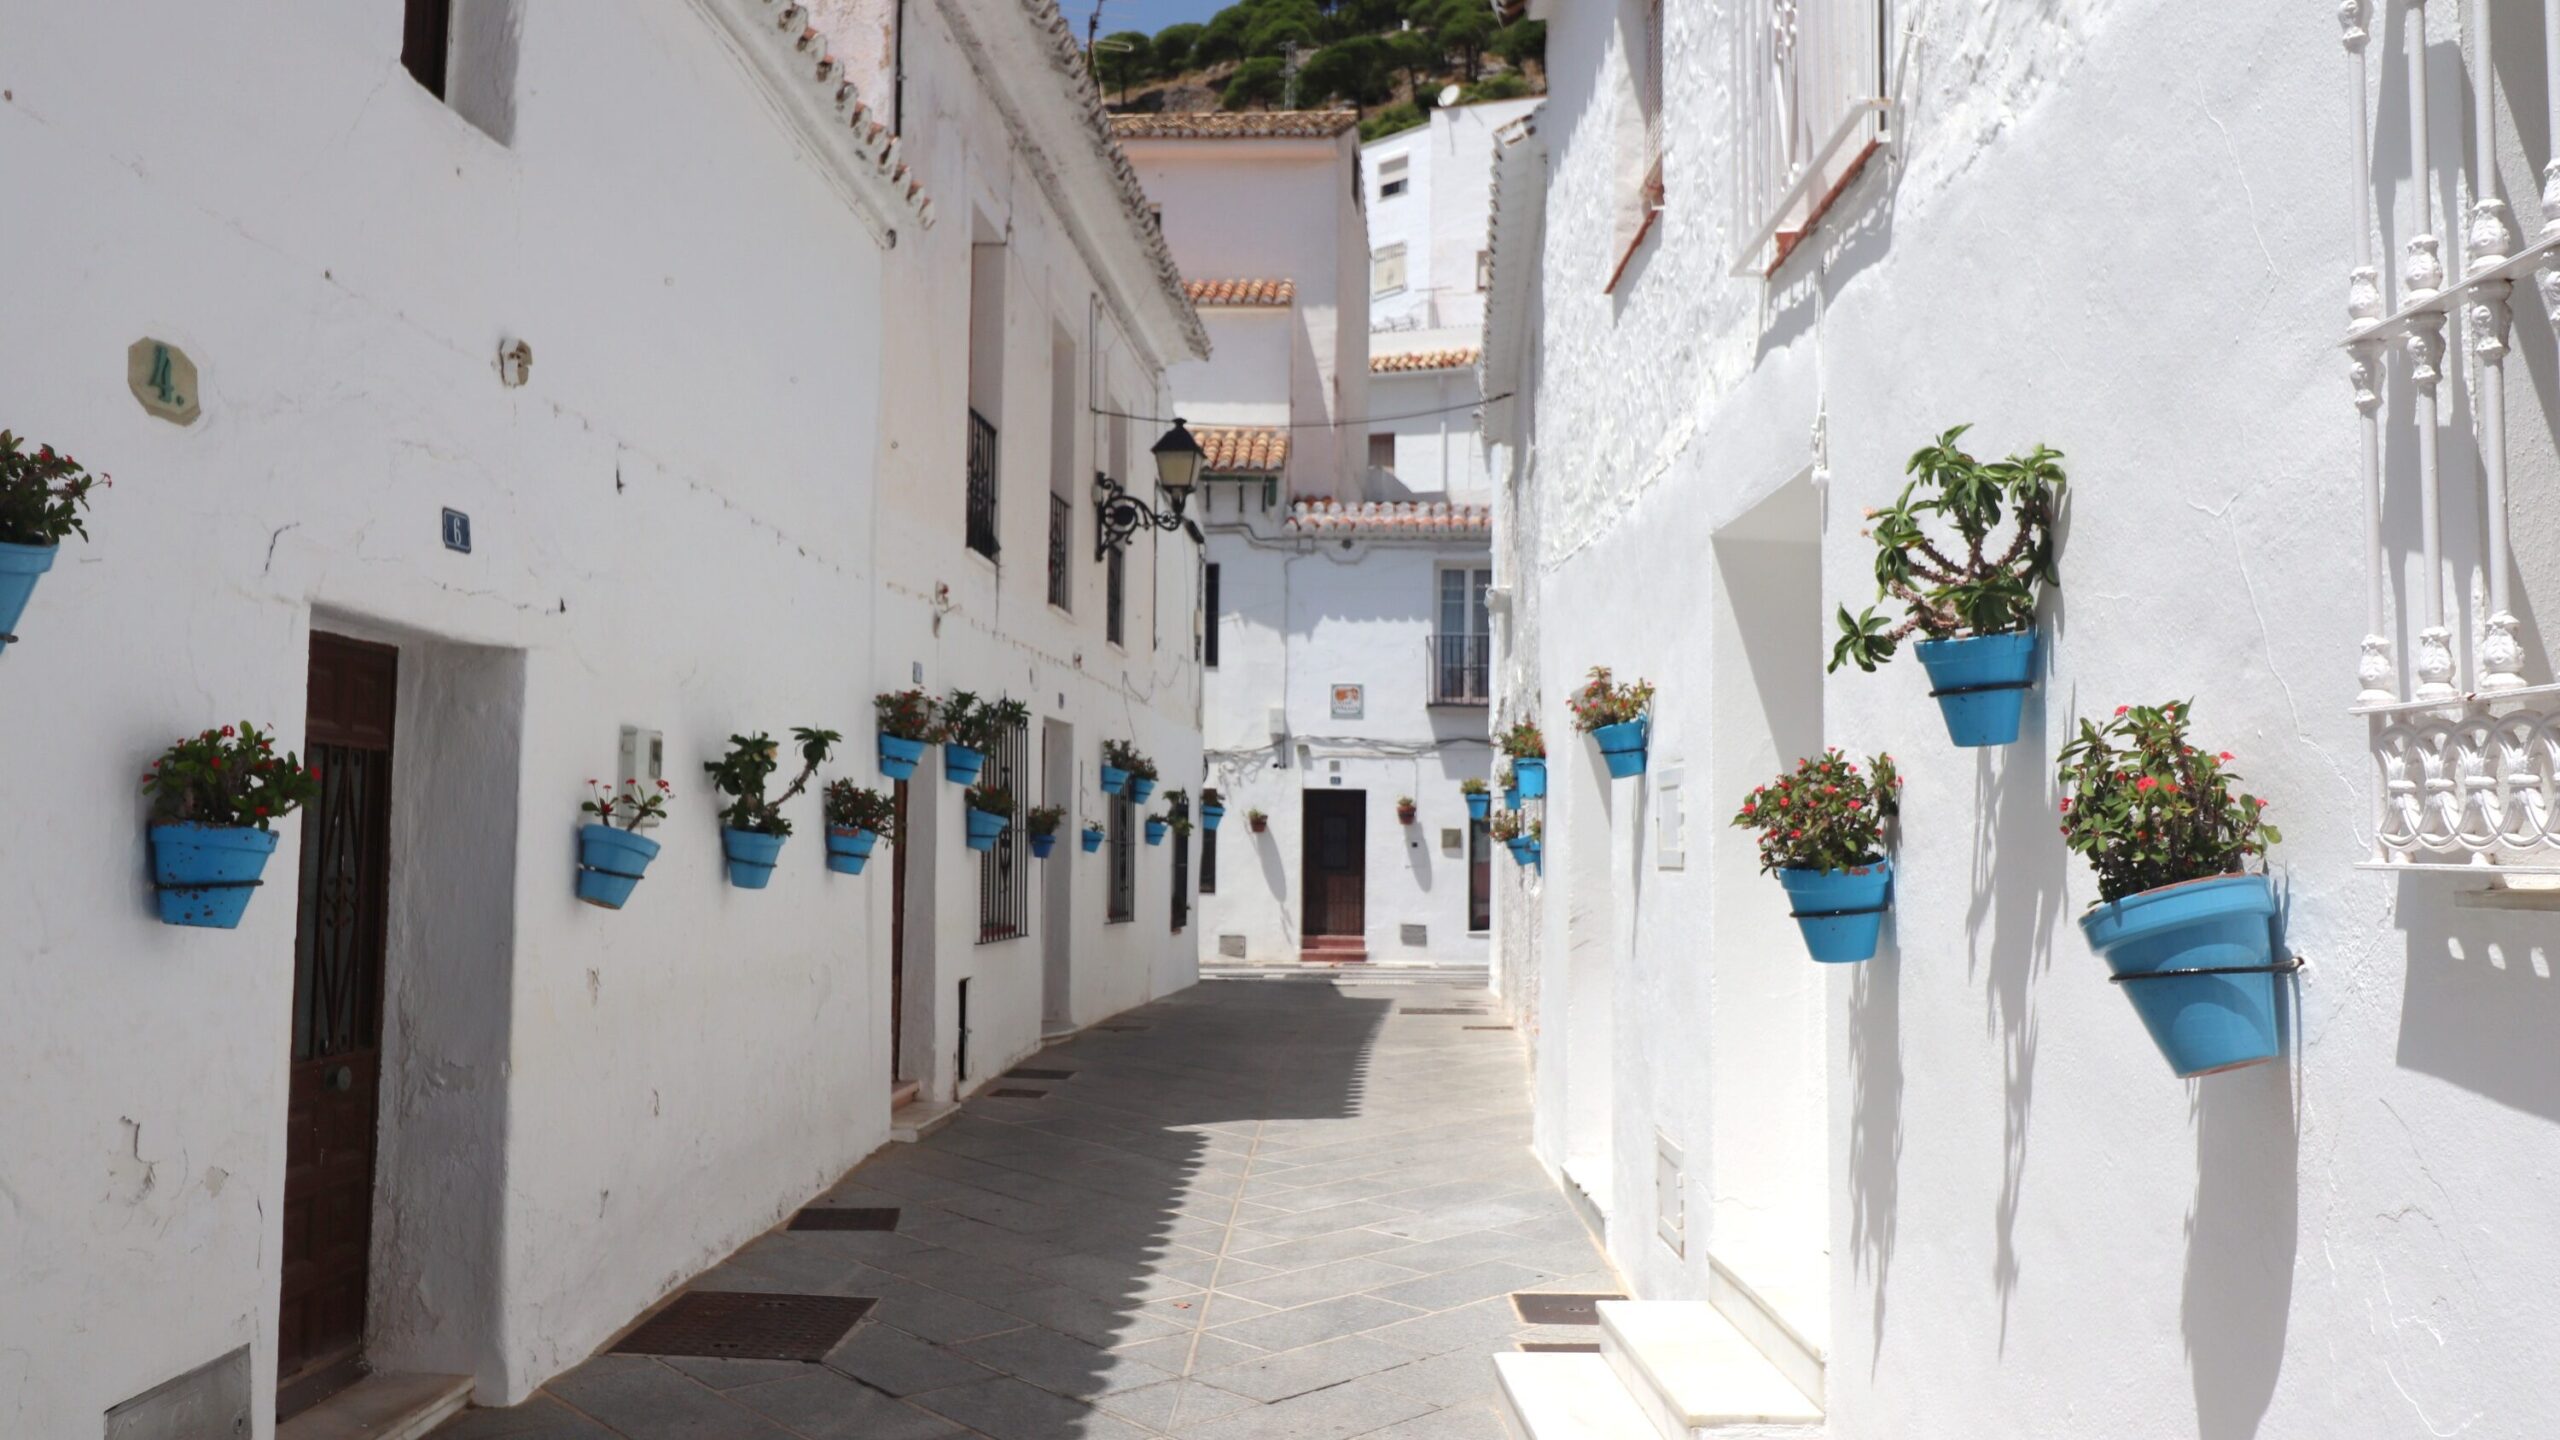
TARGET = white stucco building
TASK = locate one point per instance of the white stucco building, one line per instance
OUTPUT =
(558, 369)
(1953, 1189)
(1338, 680)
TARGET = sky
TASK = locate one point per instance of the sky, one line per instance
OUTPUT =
(1148, 15)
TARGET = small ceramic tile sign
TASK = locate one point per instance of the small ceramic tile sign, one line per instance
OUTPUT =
(1346, 702)
(163, 379)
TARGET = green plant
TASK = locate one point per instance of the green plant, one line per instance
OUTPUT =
(1471, 786)
(1509, 85)
(41, 495)
(1510, 825)
(907, 714)
(1601, 701)
(1094, 827)
(1255, 814)
(2148, 809)
(853, 807)
(1982, 594)
(1828, 815)
(991, 799)
(1045, 819)
(1523, 742)
(1120, 755)
(751, 761)
(230, 778)
(1258, 81)
(629, 803)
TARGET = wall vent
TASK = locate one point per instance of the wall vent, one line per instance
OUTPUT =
(1416, 935)
(1231, 947)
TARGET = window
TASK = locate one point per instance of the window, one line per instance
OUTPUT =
(1209, 628)
(1386, 270)
(1479, 874)
(1462, 638)
(425, 43)
(1639, 139)
(1208, 861)
(1484, 270)
(1063, 380)
(1181, 880)
(1382, 450)
(1809, 97)
(1000, 877)
(1124, 860)
(1393, 175)
(1115, 590)
(986, 388)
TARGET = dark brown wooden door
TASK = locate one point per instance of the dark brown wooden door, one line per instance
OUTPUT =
(331, 1107)
(1336, 862)
(898, 939)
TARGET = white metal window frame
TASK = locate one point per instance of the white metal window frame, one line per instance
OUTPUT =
(1810, 93)
(1386, 269)
(1395, 175)
(2467, 768)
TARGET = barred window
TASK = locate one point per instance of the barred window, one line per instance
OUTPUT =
(1208, 862)
(1000, 877)
(1115, 596)
(1181, 880)
(1124, 860)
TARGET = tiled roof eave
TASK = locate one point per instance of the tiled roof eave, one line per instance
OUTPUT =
(790, 56)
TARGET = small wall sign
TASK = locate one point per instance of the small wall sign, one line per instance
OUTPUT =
(1346, 702)
(457, 531)
(163, 379)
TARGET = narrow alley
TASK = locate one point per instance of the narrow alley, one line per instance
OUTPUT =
(1255, 1208)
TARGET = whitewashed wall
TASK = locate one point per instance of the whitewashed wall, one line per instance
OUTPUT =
(1432, 414)
(1440, 217)
(2122, 230)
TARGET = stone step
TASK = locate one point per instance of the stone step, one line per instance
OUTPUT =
(1565, 1396)
(1692, 1373)
(918, 1118)
(382, 1407)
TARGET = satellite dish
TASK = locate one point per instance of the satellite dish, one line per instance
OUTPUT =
(1448, 96)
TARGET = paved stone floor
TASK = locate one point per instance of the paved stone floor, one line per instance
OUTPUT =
(1261, 1209)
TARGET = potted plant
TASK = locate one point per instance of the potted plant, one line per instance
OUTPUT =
(2184, 929)
(1256, 820)
(1405, 810)
(1093, 836)
(962, 728)
(1479, 800)
(752, 827)
(1157, 825)
(1521, 835)
(1509, 775)
(611, 861)
(214, 798)
(990, 810)
(858, 819)
(1528, 751)
(1822, 834)
(1043, 822)
(41, 497)
(1177, 811)
(1212, 809)
(1978, 613)
(908, 721)
(1119, 757)
(1617, 717)
(1142, 777)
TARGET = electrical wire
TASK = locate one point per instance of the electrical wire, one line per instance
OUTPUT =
(1322, 424)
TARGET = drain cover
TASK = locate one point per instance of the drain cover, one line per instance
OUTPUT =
(1553, 1347)
(1410, 1010)
(1560, 1309)
(1015, 1093)
(838, 1217)
(1025, 1072)
(1484, 1027)
(727, 1325)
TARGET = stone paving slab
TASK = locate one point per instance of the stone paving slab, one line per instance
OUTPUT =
(1277, 1212)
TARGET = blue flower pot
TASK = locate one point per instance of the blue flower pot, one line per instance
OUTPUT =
(1092, 841)
(898, 758)
(848, 850)
(962, 765)
(1210, 815)
(984, 827)
(1479, 804)
(1531, 776)
(1622, 746)
(2202, 1023)
(1840, 912)
(1114, 780)
(1140, 787)
(1981, 683)
(1524, 850)
(1155, 831)
(206, 873)
(610, 864)
(1510, 797)
(752, 855)
(21, 566)
(1041, 845)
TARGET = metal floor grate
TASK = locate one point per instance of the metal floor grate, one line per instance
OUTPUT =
(1026, 1072)
(727, 1325)
(1413, 1010)
(839, 1217)
(1560, 1309)
(1559, 1347)
(1484, 1027)
(1014, 1093)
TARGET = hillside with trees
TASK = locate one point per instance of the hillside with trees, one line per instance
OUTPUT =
(1388, 59)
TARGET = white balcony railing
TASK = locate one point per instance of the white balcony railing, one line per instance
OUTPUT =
(1810, 92)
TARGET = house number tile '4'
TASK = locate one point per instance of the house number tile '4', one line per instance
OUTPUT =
(163, 379)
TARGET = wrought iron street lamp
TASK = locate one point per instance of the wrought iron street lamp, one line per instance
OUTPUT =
(1178, 457)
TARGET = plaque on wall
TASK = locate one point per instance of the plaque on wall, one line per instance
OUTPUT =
(163, 379)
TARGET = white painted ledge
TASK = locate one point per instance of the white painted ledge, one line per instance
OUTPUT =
(1691, 1372)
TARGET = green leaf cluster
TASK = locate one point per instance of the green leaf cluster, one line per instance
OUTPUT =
(231, 777)
(2147, 808)
(751, 762)
(1828, 815)
(854, 807)
(1969, 585)
(41, 494)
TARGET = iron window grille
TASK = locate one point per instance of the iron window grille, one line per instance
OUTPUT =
(1000, 887)
(1115, 588)
(982, 485)
(1209, 617)
(1062, 525)
(1124, 861)
(1181, 879)
(1479, 875)
(1208, 861)
(1461, 669)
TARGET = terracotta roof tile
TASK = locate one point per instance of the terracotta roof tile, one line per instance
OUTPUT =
(1378, 517)
(1450, 359)
(1236, 125)
(1241, 292)
(1246, 449)
(794, 49)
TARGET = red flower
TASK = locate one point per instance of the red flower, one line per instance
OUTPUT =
(1795, 834)
(2146, 783)
(2122, 708)
(2066, 804)
(2227, 755)
(226, 732)
(262, 810)
(1857, 804)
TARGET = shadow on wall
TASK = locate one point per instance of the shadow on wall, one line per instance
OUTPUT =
(1875, 1124)
(2243, 1230)
(2017, 901)
(2479, 1005)
(1266, 849)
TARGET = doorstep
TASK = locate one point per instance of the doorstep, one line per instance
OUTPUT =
(918, 1118)
(382, 1407)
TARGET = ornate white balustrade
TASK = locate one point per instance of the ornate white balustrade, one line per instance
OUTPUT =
(2469, 773)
